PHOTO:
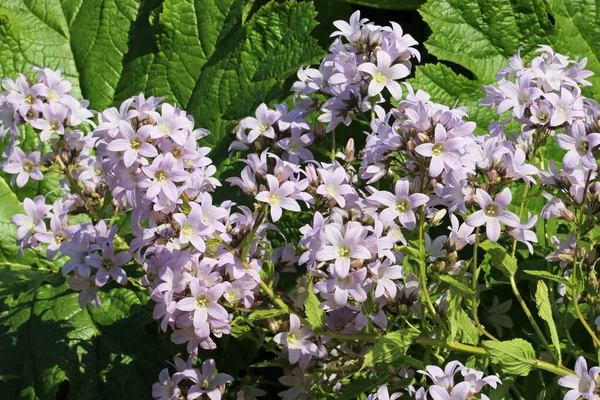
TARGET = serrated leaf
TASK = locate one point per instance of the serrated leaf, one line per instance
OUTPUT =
(515, 357)
(218, 68)
(409, 252)
(314, 313)
(456, 284)
(264, 314)
(389, 4)
(500, 258)
(480, 35)
(267, 273)
(462, 329)
(542, 300)
(547, 275)
(85, 39)
(390, 348)
(48, 340)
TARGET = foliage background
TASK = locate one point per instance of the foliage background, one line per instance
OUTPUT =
(218, 59)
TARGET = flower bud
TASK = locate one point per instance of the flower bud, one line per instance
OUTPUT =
(424, 137)
(349, 151)
(438, 217)
(273, 325)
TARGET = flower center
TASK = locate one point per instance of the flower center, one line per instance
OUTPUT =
(177, 152)
(437, 149)
(107, 264)
(403, 205)
(59, 238)
(263, 128)
(584, 146)
(274, 200)
(28, 166)
(160, 176)
(31, 114)
(330, 190)
(379, 77)
(491, 210)
(543, 117)
(54, 125)
(29, 99)
(202, 302)
(187, 230)
(52, 95)
(343, 252)
(291, 338)
(135, 144)
(164, 128)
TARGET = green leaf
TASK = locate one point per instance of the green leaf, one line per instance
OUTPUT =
(267, 273)
(542, 300)
(87, 40)
(314, 313)
(515, 357)
(48, 341)
(547, 275)
(410, 252)
(388, 4)
(500, 258)
(462, 329)
(390, 348)
(480, 36)
(456, 284)
(219, 68)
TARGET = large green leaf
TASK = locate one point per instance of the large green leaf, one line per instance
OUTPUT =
(388, 4)
(221, 66)
(86, 39)
(480, 35)
(51, 346)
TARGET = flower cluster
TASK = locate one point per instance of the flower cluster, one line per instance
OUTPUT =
(335, 257)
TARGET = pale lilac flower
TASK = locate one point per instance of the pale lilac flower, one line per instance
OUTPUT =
(568, 107)
(36, 211)
(385, 276)
(444, 152)
(524, 234)
(342, 248)
(583, 384)
(350, 30)
(166, 388)
(384, 76)
(161, 177)
(88, 291)
(246, 182)
(344, 287)
(400, 205)
(206, 382)
(108, 263)
(193, 229)
(518, 96)
(295, 146)
(493, 213)
(54, 116)
(461, 391)
(203, 303)
(335, 185)
(517, 169)
(579, 147)
(444, 379)
(278, 197)
(297, 342)
(555, 208)
(133, 143)
(172, 123)
(262, 124)
(24, 166)
(383, 394)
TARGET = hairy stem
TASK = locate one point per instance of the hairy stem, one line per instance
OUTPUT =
(480, 351)
(476, 292)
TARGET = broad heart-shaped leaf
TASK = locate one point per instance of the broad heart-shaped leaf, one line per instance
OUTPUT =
(86, 39)
(217, 65)
(50, 345)
(480, 35)
(390, 348)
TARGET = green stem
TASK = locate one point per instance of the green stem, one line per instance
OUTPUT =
(480, 351)
(422, 265)
(358, 336)
(536, 327)
(475, 290)
(263, 285)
